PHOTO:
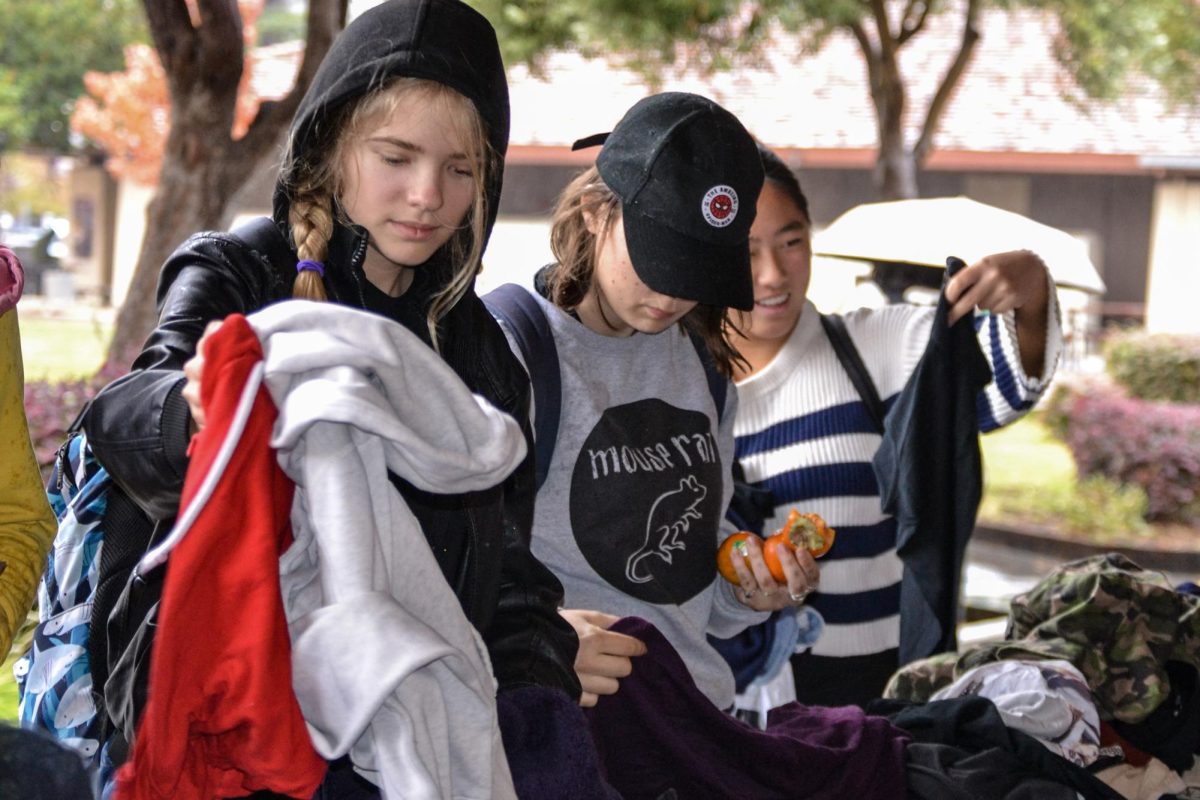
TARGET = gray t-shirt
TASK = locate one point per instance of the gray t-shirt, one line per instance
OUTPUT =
(633, 506)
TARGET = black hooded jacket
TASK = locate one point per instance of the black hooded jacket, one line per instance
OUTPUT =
(139, 425)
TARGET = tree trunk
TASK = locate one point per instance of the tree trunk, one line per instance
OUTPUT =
(896, 163)
(895, 166)
(190, 198)
(895, 169)
(203, 166)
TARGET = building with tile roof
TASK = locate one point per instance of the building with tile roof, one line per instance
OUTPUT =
(1123, 175)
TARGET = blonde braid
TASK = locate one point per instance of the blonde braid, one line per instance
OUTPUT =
(311, 218)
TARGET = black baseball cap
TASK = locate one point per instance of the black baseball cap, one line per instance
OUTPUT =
(688, 175)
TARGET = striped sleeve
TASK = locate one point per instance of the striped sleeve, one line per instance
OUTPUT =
(1012, 393)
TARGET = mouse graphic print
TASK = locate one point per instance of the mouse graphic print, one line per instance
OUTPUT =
(645, 500)
(670, 516)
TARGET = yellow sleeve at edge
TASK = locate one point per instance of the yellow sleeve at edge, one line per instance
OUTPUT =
(27, 524)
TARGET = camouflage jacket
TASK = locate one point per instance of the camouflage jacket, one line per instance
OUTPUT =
(1116, 622)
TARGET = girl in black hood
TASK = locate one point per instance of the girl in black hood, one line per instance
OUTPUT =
(385, 201)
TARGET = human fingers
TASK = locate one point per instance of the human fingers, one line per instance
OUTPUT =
(598, 684)
(620, 644)
(602, 652)
(592, 626)
(803, 574)
(748, 585)
(808, 564)
(755, 590)
(594, 617)
(1001, 282)
(964, 290)
(603, 655)
(796, 584)
(192, 370)
(758, 567)
(611, 666)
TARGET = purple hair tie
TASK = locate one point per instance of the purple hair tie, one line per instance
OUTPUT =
(315, 266)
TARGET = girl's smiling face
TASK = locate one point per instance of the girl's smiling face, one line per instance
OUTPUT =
(781, 262)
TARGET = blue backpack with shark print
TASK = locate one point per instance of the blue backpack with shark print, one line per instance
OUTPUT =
(54, 678)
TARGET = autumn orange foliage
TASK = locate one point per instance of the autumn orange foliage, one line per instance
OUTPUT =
(129, 113)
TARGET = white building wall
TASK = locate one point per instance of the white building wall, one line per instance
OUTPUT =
(132, 199)
(1173, 279)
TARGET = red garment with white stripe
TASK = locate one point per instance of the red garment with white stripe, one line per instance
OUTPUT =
(221, 719)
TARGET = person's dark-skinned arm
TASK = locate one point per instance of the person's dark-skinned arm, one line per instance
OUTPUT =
(1016, 281)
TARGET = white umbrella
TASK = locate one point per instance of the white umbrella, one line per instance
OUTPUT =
(926, 231)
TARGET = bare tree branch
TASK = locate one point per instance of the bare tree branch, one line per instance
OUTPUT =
(945, 90)
(887, 41)
(172, 32)
(222, 50)
(910, 28)
(870, 54)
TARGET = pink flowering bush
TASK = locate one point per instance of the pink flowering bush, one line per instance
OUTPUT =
(1154, 445)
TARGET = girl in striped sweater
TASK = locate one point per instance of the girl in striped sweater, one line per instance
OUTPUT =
(803, 432)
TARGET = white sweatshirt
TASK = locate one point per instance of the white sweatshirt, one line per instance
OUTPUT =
(386, 666)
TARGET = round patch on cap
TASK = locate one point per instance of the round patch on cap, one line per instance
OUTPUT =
(719, 206)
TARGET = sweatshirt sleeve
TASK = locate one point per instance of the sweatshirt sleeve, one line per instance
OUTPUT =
(729, 617)
(27, 524)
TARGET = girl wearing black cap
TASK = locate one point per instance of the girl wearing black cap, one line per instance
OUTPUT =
(651, 248)
(385, 202)
(804, 434)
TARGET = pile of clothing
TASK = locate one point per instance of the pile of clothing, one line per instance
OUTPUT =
(1100, 661)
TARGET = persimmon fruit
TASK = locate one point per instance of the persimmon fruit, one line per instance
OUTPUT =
(734, 544)
(800, 530)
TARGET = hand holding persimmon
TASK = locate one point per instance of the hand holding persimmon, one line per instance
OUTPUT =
(735, 545)
(807, 531)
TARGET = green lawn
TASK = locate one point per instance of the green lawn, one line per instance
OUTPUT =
(1020, 459)
(62, 348)
(8, 691)
(8, 686)
(1029, 478)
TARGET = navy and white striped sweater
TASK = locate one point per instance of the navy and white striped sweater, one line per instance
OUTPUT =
(802, 430)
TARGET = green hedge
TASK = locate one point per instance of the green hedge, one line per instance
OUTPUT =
(1156, 366)
(1133, 442)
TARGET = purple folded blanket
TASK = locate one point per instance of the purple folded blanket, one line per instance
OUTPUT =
(659, 733)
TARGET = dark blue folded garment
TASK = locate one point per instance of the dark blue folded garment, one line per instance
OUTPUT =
(35, 767)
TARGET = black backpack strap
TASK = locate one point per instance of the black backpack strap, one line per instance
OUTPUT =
(519, 310)
(717, 383)
(751, 504)
(847, 353)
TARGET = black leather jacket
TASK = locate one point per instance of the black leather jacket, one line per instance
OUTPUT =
(139, 429)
